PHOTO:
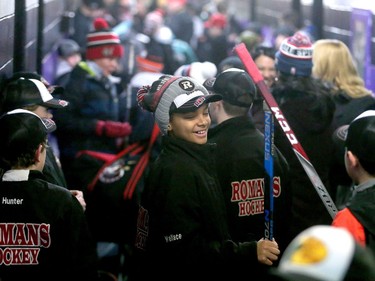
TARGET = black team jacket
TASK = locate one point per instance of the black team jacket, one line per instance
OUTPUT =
(182, 224)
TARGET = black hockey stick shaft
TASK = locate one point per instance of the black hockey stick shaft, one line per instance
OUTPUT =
(257, 77)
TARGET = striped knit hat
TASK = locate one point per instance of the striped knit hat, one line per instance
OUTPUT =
(295, 56)
(103, 43)
(170, 94)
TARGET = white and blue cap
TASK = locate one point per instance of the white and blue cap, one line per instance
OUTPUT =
(325, 253)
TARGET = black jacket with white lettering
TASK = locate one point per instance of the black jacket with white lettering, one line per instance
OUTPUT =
(241, 172)
(182, 227)
(43, 231)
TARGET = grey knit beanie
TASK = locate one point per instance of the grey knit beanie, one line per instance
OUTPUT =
(159, 97)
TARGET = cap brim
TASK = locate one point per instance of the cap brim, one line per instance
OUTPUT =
(341, 133)
(49, 124)
(56, 103)
(339, 138)
(209, 84)
(192, 104)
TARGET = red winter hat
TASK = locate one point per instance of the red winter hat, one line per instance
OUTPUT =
(103, 43)
(216, 20)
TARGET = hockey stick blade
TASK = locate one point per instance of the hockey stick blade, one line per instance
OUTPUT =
(257, 77)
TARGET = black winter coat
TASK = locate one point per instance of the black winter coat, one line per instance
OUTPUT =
(240, 168)
(308, 108)
(182, 224)
(43, 226)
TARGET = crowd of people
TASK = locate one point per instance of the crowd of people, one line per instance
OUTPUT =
(163, 80)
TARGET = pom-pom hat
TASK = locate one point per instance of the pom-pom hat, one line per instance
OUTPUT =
(173, 94)
(103, 43)
(295, 56)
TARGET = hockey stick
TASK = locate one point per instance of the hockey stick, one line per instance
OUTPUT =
(257, 77)
(268, 165)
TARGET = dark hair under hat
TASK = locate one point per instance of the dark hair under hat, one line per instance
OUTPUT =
(21, 92)
(21, 133)
(295, 56)
(235, 86)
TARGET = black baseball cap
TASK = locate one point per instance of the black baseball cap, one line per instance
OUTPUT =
(235, 86)
(359, 136)
(22, 131)
(21, 92)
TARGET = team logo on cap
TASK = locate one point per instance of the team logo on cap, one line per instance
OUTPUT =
(199, 101)
(107, 51)
(186, 85)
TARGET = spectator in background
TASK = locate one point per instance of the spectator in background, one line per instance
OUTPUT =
(289, 23)
(95, 118)
(200, 71)
(44, 230)
(308, 107)
(183, 53)
(334, 64)
(232, 61)
(96, 121)
(251, 39)
(69, 55)
(179, 20)
(359, 157)
(157, 41)
(142, 121)
(83, 21)
(322, 253)
(282, 32)
(264, 58)
(213, 45)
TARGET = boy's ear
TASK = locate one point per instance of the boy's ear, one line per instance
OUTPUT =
(353, 160)
(38, 153)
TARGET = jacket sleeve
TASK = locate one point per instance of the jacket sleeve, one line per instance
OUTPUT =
(346, 219)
